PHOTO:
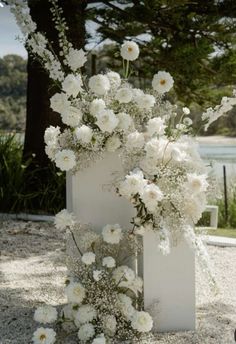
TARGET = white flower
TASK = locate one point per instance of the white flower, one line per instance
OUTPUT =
(64, 219)
(162, 82)
(85, 314)
(86, 332)
(135, 284)
(109, 262)
(75, 59)
(107, 121)
(97, 275)
(142, 321)
(65, 159)
(112, 234)
(51, 151)
(88, 258)
(71, 116)
(124, 95)
(96, 106)
(187, 121)
(151, 196)
(59, 102)
(193, 208)
(113, 143)
(135, 140)
(125, 306)
(75, 292)
(129, 51)
(72, 85)
(156, 126)
(84, 134)
(99, 340)
(51, 135)
(133, 184)
(44, 336)
(137, 93)
(45, 314)
(114, 79)
(109, 325)
(186, 110)
(145, 101)
(123, 273)
(99, 84)
(125, 121)
(196, 183)
(68, 312)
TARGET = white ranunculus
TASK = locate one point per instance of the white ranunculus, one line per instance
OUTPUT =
(97, 275)
(75, 59)
(133, 184)
(99, 340)
(99, 84)
(84, 134)
(125, 121)
(145, 101)
(75, 292)
(151, 196)
(51, 135)
(107, 121)
(196, 183)
(114, 78)
(162, 82)
(109, 262)
(96, 106)
(113, 143)
(65, 159)
(124, 95)
(86, 332)
(85, 314)
(64, 219)
(135, 140)
(60, 103)
(88, 258)
(109, 325)
(44, 336)
(129, 51)
(142, 321)
(72, 85)
(112, 234)
(72, 116)
(156, 126)
(45, 314)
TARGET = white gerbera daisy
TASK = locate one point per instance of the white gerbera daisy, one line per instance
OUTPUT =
(44, 336)
(129, 51)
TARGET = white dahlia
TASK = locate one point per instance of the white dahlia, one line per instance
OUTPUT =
(65, 159)
(45, 314)
(44, 336)
(86, 332)
(75, 292)
(72, 85)
(99, 84)
(84, 134)
(85, 314)
(124, 95)
(142, 321)
(129, 51)
(107, 121)
(88, 258)
(162, 82)
(109, 262)
(112, 234)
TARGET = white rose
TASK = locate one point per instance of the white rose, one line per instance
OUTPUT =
(84, 134)
(135, 140)
(99, 84)
(145, 101)
(114, 79)
(162, 82)
(96, 106)
(107, 121)
(113, 143)
(109, 262)
(112, 234)
(129, 51)
(65, 159)
(142, 321)
(72, 85)
(124, 95)
(88, 258)
(125, 121)
(156, 126)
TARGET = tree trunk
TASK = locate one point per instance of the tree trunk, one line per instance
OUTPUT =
(38, 114)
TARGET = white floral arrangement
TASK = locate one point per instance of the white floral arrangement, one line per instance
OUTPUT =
(104, 294)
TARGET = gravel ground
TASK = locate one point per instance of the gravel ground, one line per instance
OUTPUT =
(32, 271)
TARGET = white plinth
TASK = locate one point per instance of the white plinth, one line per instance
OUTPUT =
(92, 198)
(170, 280)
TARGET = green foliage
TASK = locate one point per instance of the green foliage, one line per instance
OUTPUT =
(27, 189)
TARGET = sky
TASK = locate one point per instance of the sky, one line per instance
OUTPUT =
(8, 33)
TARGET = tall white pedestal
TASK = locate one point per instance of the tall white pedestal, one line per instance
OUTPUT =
(93, 200)
(169, 280)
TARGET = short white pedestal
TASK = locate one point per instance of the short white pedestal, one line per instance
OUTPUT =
(91, 197)
(170, 280)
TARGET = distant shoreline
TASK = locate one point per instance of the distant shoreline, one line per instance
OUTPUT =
(217, 140)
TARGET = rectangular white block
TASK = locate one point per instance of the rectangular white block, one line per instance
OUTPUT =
(170, 280)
